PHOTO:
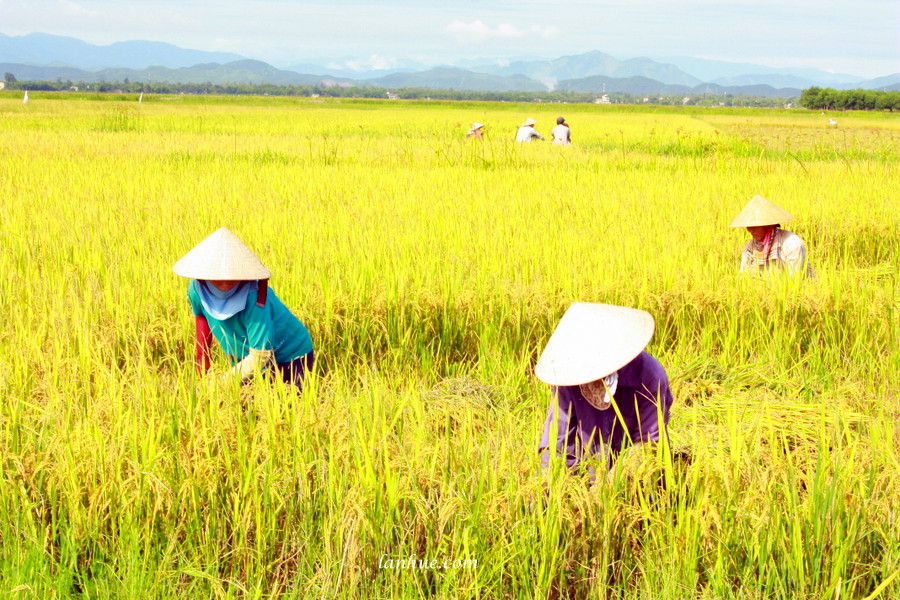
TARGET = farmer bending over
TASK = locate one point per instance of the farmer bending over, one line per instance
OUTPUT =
(607, 392)
(771, 246)
(231, 300)
(526, 132)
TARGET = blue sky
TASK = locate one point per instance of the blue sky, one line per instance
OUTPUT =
(861, 37)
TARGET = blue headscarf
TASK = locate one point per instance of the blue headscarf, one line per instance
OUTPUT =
(223, 305)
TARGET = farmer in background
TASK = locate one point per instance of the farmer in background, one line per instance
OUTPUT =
(607, 392)
(477, 131)
(527, 132)
(771, 246)
(231, 300)
(561, 134)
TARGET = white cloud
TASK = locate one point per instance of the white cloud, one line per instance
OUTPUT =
(74, 9)
(375, 62)
(479, 32)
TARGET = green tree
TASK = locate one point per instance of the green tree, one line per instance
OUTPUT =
(811, 98)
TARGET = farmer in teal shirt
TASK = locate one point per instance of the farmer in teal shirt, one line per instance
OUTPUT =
(232, 302)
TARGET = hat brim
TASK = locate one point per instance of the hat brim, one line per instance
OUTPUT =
(221, 257)
(760, 212)
(592, 341)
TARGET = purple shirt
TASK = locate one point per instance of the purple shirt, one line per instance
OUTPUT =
(581, 428)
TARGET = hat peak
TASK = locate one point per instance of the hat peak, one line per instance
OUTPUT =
(760, 212)
(221, 256)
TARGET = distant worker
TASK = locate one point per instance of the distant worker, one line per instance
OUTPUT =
(771, 246)
(608, 393)
(231, 300)
(477, 131)
(526, 132)
(561, 134)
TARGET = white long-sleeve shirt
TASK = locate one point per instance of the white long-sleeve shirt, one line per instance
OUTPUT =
(526, 133)
(788, 252)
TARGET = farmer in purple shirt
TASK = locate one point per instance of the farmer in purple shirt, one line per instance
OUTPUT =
(606, 389)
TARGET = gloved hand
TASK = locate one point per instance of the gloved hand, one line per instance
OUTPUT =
(257, 360)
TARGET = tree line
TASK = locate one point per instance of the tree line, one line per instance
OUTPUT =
(828, 99)
(337, 91)
(814, 98)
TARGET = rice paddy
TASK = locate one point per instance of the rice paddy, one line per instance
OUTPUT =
(430, 272)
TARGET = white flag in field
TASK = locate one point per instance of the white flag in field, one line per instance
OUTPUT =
(141, 98)
(25, 98)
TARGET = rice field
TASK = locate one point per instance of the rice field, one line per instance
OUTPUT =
(430, 272)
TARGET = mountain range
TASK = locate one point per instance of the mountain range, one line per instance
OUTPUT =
(40, 56)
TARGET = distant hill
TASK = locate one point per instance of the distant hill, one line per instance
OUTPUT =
(672, 71)
(771, 79)
(889, 83)
(590, 64)
(439, 78)
(643, 86)
(243, 71)
(793, 81)
(40, 56)
(720, 70)
(45, 49)
(629, 85)
(449, 78)
(357, 69)
(45, 73)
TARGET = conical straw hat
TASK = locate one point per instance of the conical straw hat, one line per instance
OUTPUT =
(593, 341)
(221, 256)
(529, 121)
(759, 212)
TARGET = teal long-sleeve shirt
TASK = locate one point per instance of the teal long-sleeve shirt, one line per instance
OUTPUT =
(269, 327)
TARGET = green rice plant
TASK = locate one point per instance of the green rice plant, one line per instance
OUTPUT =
(121, 119)
(431, 271)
